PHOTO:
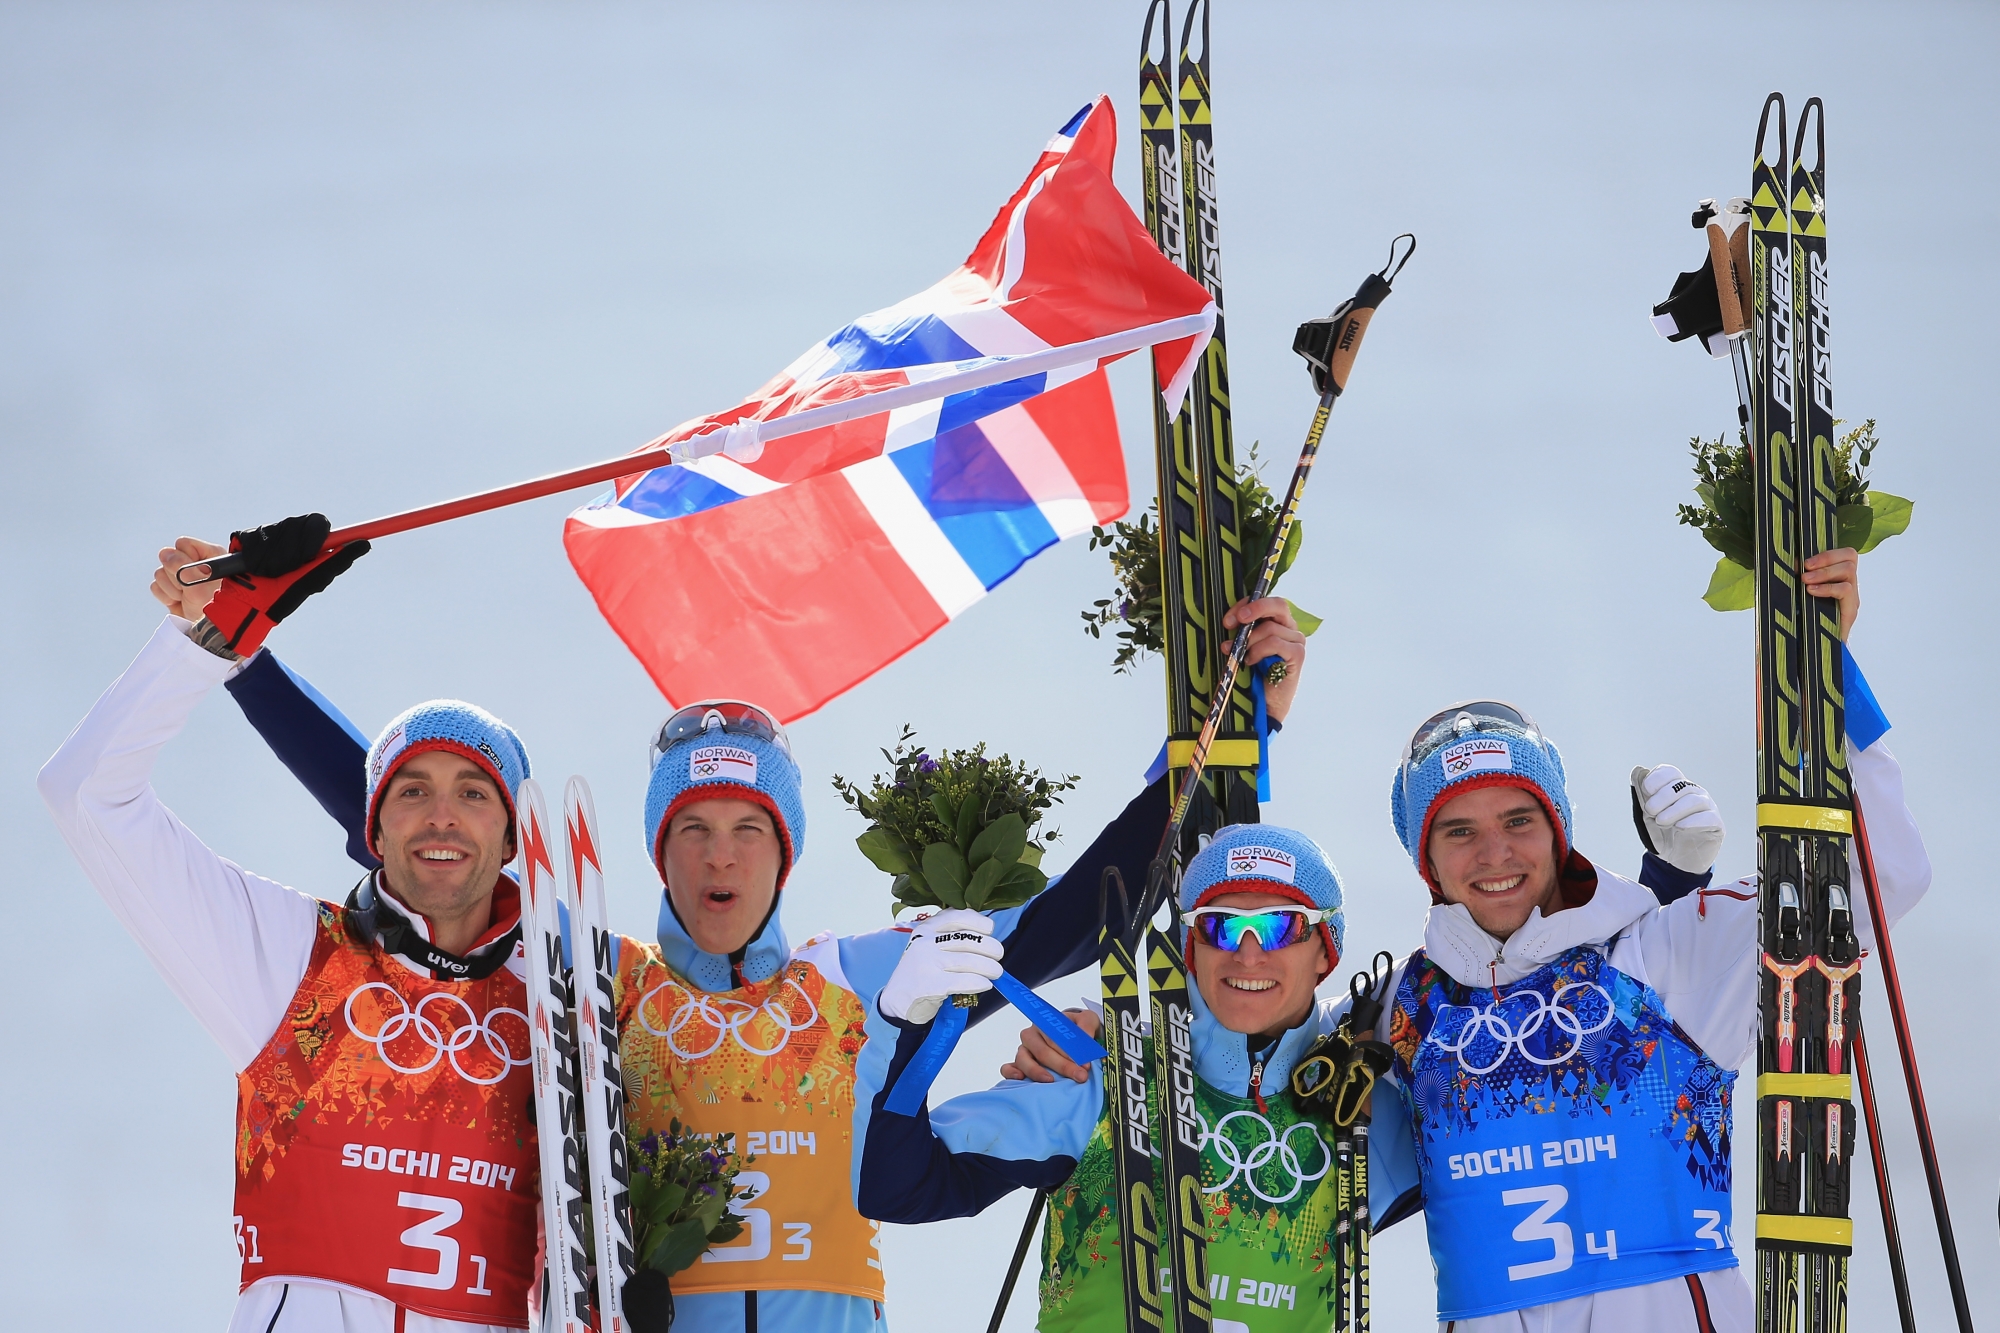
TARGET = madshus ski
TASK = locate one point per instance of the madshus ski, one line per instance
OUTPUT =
(579, 1091)
(565, 1288)
(595, 956)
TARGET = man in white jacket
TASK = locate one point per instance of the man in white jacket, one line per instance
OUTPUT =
(1566, 1046)
(385, 1169)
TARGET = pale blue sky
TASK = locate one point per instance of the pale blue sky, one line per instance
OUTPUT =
(259, 259)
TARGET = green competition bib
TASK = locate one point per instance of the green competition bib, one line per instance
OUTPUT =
(1269, 1180)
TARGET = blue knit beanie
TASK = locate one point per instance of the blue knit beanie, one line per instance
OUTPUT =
(447, 724)
(1264, 858)
(1464, 754)
(719, 765)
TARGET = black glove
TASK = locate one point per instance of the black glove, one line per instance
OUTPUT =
(287, 565)
(649, 1302)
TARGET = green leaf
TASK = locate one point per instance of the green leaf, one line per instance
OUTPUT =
(1733, 549)
(678, 1246)
(947, 817)
(1018, 885)
(1293, 539)
(968, 820)
(1735, 508)
(1308, 622)
(1731, 587)
(1003, 840)
(1031, 855)
(1892, 516)
(887, 851)
(980, 886)
(944, 870)
(1852, 525)
(1706, 490)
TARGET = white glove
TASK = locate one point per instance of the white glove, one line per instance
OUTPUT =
(1678, 819)
(951, 953)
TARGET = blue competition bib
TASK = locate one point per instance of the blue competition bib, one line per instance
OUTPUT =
(1571, 1138)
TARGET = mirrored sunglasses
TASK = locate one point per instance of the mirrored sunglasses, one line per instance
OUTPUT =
(1274, 927)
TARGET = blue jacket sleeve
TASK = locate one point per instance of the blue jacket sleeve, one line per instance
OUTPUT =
(1668, 881)
(312, 738)
(973, 1150)
(1055, 932)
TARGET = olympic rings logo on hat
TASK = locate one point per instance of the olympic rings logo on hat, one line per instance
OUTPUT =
(414, 1021)
(1504, 1035)
(1275, 1145)
(726, 1017)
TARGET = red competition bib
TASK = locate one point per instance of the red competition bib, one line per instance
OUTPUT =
(769, 1067)
(382, 1138)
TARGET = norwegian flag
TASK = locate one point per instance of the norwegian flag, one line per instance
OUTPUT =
(787, 572)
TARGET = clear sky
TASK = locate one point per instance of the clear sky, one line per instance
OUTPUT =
(261, 259)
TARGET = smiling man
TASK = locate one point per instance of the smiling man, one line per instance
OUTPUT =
(1264, 928)
(381, 1046)
(1566, 1044)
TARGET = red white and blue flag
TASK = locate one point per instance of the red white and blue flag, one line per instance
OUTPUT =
(784, 560)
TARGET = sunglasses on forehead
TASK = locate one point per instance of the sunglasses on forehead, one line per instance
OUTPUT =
(732, 717)
(1226, 928)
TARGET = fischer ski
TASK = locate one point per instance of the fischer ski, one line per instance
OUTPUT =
(565, 1285)
(595, 950)
(1232, 758)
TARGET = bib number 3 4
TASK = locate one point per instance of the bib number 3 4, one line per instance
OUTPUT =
(1540, 1225)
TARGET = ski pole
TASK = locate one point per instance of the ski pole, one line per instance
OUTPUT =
(1020, 1253)
(1892, 1232)
(743, 438)
(1329, 345)
(1892, 987)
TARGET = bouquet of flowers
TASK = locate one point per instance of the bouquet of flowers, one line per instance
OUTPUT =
(681, 1184)
(1726, 517)
(958, 828)
(1137, 609)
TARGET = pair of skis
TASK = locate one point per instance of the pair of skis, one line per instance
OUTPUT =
(1768, 262)
(579, 1091)
(1157, 1131)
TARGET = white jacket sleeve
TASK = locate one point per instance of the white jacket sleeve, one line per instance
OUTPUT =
(1902, 866)
(1701, 952)
(231, 945)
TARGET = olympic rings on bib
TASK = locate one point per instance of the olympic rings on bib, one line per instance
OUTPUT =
(728, 1024)
(462, 1036)
(1508, 1038)
(1275, 1145)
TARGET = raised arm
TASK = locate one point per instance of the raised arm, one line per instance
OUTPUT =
(312, 738)
(230, 944)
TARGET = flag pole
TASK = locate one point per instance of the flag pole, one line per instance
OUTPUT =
(746, 439)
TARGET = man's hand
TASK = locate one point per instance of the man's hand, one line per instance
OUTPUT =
(287, 563)
(1837, 574)
(1040, 1061)
(1678, 820)
(187, 603)
(951, 953)
(1275, 634)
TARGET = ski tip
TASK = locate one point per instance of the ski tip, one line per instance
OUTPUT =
(1763, 128)
(1813, 112)
(1195, 8)
(1157, 9)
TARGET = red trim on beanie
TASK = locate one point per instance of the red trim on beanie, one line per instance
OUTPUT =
(458, 748)
(725, 791)
(1474, 784)
(1224, 887)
